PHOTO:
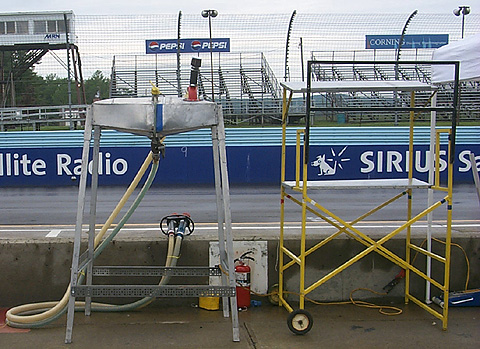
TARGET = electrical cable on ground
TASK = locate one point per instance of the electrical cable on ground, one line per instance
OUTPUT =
(381, 308)
(466, 259)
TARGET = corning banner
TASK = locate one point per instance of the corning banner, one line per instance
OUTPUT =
(187, 45)
(409, 41)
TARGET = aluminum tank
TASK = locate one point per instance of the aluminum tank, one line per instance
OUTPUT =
(145, 117)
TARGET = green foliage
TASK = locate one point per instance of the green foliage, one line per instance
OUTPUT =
(31, 89)
(51, 91)
(97, 83)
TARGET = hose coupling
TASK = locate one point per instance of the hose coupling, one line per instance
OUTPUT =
(179, 224)
(157, 148)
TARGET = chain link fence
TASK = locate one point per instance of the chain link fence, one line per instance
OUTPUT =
(110, 56)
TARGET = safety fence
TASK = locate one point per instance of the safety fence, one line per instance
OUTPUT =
(111, 56)
(37, 118)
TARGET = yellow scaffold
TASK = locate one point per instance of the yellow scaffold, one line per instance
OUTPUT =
(297, 190)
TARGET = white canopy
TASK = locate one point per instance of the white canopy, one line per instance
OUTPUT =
(466, 51)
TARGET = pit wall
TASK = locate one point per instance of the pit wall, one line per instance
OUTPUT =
(35, 271)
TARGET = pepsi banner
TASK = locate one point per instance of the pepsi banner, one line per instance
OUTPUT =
(187, 45)
(409, 41)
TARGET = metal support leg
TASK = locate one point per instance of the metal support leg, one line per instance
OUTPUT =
(93, 214)
(476, 178)
(228, 223)
(409, 199)
(431, 181)
(285, 107)
(78, 226)
(220, 215)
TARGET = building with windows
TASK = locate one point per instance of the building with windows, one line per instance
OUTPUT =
(31, 28)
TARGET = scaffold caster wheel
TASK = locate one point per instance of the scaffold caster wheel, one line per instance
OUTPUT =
(300, 321)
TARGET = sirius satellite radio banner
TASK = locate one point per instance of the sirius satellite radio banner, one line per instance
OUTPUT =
(187, 45)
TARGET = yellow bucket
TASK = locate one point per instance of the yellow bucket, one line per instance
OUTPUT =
(209, 303)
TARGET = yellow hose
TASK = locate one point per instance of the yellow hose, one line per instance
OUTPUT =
(56, 307)
(124, 199)
(168, 263)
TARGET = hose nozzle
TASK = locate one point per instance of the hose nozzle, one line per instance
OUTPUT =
(177, 223)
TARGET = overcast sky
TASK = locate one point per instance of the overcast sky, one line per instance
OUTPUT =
(92, 7)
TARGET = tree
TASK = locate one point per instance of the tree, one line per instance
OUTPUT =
(97, 85)
(18, 79)
(30, 89)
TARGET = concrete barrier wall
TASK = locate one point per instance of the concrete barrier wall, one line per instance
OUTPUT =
(34, 271)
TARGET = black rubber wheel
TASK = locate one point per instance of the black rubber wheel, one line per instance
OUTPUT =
(300, 321)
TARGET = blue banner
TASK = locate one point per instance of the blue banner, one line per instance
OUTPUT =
(246, 164)
(187, 45)
(409, 41)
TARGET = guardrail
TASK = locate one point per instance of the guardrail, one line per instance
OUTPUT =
(35, 117)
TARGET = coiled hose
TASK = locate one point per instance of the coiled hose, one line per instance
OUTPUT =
(40, 314)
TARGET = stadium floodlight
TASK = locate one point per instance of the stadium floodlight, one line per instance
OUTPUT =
(465, 10)
(462, 10)
(210, 14)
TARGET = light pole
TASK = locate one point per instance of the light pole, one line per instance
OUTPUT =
(463, 10)
(210, 14)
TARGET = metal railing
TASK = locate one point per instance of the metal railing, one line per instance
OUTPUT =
(469, 108)
(244, 84)
(34, 118)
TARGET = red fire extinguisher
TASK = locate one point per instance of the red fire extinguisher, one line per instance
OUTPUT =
(242, 276)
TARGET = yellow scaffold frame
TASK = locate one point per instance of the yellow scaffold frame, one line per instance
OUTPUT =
(290, 189)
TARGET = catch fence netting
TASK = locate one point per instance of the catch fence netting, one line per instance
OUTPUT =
(264, 50)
